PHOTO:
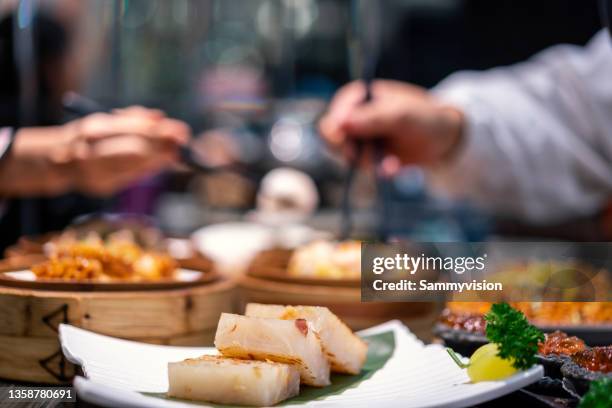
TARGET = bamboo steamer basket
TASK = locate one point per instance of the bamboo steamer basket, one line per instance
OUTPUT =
(29, 320)
(343, 300)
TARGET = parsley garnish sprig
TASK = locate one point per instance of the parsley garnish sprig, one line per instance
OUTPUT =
(599, 395)
(515, 337)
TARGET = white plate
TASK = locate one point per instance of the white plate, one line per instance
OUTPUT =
(233, 245)
(183, 275)
(118, 371)
(27, 279)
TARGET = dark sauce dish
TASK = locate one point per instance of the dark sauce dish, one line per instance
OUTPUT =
(587, 366)
(460, 340)
(551, 387)
(556, 351)
(553, 353)
(463, 332)
(552, 365)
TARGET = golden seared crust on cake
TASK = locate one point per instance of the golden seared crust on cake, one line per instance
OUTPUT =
(233, 381)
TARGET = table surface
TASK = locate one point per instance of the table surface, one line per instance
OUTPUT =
(515, 399)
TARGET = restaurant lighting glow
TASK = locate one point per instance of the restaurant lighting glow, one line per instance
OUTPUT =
(297, 15)
(286, 140)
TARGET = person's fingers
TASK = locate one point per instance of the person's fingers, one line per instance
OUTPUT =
(345, 100)
(113, 169)
(140, 110)
(331, 130)
(174, 130)
(111, 184)
(390, 166)
(130, 146)
(167, 128)
(131, 150)
(102, 126)
(384, 88)
(374, 119)
(132, 174)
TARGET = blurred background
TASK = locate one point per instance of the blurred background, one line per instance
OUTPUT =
(252, 78)
(258, 195)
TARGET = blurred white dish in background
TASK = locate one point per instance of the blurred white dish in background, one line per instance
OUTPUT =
(294, 235)
(179, 248)
(285, 198)
(286, 194)
(232, 246)
(26, 275)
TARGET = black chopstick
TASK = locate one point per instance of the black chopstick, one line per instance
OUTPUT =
(367, 38)
(347, 208)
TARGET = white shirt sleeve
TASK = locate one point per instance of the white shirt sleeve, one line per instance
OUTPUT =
(538, 138)
(5, 141)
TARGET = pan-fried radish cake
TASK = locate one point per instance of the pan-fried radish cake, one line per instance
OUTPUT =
(345, 350)
(234, 381)
(284, 341)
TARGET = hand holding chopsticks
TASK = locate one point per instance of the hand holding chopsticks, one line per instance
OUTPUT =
(403, 121)
(415, 127)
